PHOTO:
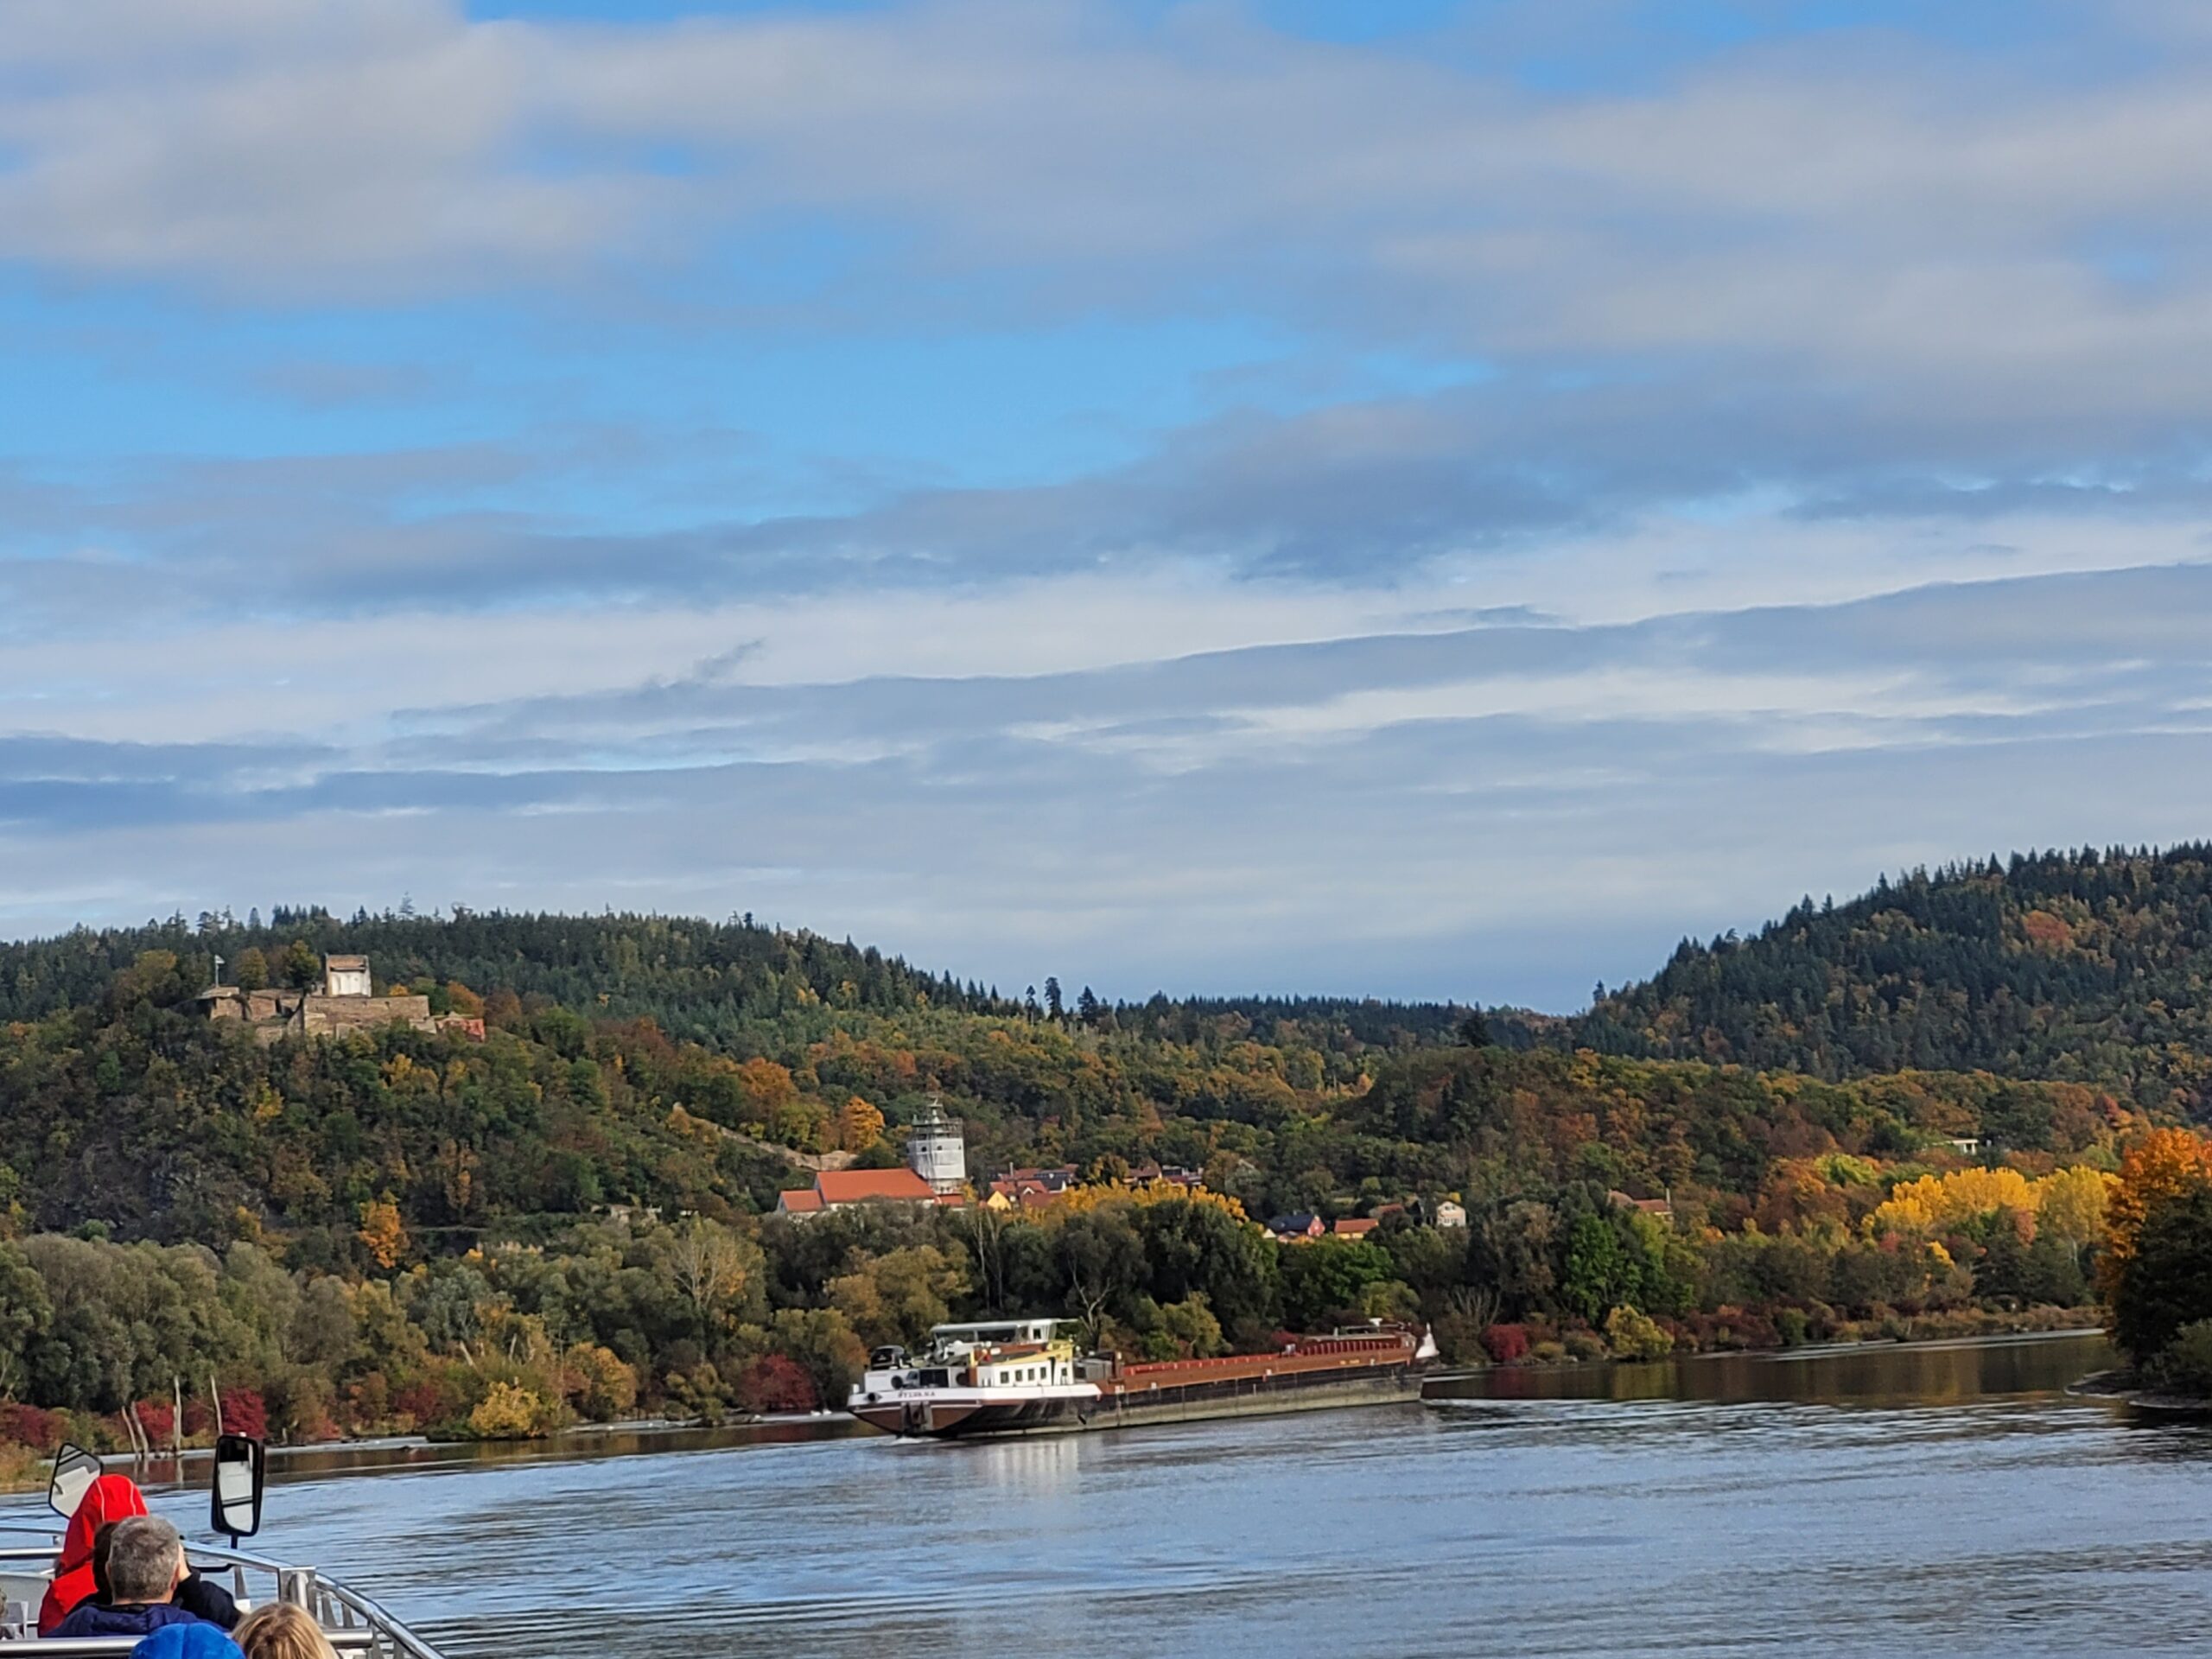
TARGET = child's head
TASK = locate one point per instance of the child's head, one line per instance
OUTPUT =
(280, 1631)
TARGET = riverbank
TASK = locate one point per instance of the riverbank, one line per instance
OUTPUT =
(1768, 1330)
(2124, 1384)
(1846, 1374)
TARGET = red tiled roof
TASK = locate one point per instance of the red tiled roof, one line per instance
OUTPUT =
(858, 1185)
(805, 1201)
(1353, 1226)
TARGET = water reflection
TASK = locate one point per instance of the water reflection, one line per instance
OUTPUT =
(1895, 1501)
(1886, 1375)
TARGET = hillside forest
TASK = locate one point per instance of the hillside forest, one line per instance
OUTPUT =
(573, 1217)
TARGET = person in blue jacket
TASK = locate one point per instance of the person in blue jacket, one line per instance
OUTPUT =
(145, 1565)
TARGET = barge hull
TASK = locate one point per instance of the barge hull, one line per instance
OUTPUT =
(1305, 1391)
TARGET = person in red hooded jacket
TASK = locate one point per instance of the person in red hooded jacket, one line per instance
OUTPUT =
(112, 1498)
(76, 1579)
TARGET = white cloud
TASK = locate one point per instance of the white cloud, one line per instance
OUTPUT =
(1892, 219)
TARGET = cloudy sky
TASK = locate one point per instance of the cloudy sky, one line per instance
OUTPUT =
(1381, 496)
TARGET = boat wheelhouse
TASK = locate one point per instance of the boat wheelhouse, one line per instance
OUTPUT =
(1003, 1376)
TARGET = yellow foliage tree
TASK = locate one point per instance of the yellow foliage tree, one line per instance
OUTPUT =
(382, 1235)
(1098, 1195)
(2072, 1203)
(1936, 1202)
(508, 1412)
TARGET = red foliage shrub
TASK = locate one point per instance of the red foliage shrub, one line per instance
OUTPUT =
(29, 1426)
(1506, 1344)
(244, 1412)
(1729, 1329)
(198, 1419)
(157, 1418)
(424, 1401)
(774, 1383)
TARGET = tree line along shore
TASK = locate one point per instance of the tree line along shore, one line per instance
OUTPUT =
(569, 1217)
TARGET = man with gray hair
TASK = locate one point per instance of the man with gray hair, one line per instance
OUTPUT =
(145, 1565)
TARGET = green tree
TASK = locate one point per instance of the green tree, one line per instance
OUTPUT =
(25, 1317)
(1598, 1268)
(1322, 1278)
(898, 1297)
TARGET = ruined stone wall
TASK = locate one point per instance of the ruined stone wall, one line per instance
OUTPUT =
(333, 1015)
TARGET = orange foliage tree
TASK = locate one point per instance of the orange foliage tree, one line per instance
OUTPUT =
(859, 1125)
(2164, 1165)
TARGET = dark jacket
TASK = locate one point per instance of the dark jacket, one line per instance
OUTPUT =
(94, 1618)
(204, 1598)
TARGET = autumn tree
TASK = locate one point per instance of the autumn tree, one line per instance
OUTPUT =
(714, 1269)
(859, 1125)
(2164, 1165)
(382, 1233)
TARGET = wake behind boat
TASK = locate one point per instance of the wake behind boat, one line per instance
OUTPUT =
(1024, 1376)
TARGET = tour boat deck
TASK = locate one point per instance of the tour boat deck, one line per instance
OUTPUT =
(354, 1623)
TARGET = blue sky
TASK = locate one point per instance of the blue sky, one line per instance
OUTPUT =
(1429, 498)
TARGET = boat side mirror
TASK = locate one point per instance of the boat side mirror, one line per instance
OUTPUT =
(240, 1461)
(74, 1471)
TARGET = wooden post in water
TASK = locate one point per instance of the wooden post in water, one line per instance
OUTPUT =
(176, 1423)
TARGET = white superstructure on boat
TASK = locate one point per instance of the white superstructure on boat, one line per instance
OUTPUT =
(997, 1377)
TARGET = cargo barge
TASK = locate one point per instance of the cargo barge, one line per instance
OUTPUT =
(1020, 1376)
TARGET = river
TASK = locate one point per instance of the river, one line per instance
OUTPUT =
(1893, 1501)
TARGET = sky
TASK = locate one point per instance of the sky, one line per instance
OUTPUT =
(1402, 497)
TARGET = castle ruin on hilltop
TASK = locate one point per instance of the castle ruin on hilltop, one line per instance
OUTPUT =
(346, 1002)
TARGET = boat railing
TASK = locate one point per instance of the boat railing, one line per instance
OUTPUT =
(354, 1622)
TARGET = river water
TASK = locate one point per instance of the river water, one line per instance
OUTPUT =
(1894, 1501)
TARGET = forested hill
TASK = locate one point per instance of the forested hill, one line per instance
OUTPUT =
(710, 981)
(2084, 965)
(697, 978)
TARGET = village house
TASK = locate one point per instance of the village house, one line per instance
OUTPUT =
(1296, 1229)
(1451, 1213)
(1662, 1209)
(1029, 1189)
(1353, 1226)
(1151, 1174)
(840, 1189)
